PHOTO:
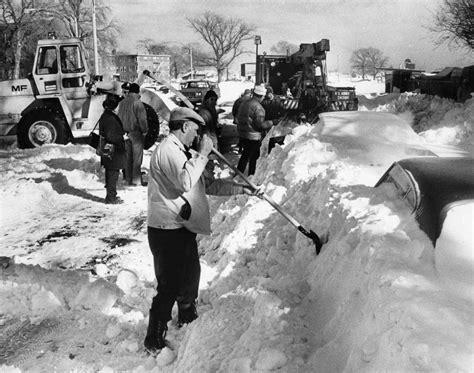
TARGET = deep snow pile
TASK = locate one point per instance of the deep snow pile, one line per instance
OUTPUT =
(78, 279)
(438, 120)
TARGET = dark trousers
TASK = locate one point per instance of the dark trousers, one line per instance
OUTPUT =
(177, 268)
(134, 157)
(250, 154)
(111, 178)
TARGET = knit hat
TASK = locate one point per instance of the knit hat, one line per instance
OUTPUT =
(185, 114)
(259, 90)
(111, 102)
(134, 88)
(210, 94)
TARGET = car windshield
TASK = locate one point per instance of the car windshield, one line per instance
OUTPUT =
(197, 85)
(405, 185)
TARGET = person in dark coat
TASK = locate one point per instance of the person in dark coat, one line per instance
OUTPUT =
(246, 95)
(132, 113)
(272, 105)
(110, 127)
(252, 128)
(208, 112)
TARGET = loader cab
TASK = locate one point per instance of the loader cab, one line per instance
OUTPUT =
(61, 68)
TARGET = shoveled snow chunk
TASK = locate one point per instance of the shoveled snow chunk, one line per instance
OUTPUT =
(112, 331)
(127, 280)
(240, 365)
(44, 302)
(270, 359)
(165, 357)
(101, 269)
(99, 295)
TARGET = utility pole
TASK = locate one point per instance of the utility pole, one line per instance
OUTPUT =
(258, 40)
(94, 34)
(191, 61)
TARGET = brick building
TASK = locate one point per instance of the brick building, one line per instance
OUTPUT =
(126, 67)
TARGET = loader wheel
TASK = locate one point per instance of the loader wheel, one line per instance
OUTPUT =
(41, 127)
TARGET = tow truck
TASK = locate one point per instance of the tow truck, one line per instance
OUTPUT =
(300, 80)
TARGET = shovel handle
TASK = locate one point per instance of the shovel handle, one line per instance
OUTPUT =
(252, 186)
(310, 234)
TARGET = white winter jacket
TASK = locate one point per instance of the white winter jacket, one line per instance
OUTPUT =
(174, 176)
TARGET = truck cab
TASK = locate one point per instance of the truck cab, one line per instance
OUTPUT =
(54, 104)
(62, 107)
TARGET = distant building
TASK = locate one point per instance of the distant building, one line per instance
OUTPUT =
(126, 67)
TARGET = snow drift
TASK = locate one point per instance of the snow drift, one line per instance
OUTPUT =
(77, 278)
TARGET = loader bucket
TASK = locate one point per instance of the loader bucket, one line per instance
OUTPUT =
(161, 102)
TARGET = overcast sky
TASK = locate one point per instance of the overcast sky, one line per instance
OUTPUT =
(396, 27)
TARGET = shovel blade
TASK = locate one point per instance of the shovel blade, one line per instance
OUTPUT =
(317, 240)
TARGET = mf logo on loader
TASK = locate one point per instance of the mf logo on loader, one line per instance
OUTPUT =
(19, 88)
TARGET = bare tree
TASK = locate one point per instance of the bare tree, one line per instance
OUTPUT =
(75, 20)
(224, 36)
(367, 60)
(284, 47)
(454, 23)
(20, 25)
(152, 47)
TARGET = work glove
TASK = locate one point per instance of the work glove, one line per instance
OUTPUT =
(146, 72)
(254, 192)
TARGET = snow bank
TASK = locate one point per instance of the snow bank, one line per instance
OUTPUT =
(78, 278)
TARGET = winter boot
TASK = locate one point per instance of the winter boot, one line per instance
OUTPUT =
(155, 335)
(187, 314)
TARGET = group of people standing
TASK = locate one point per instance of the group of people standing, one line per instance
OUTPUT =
(255, 112)
(180, 177)
(126, 131)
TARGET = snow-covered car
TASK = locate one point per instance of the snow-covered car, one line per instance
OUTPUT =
(440, 193)
(370, 140)
(195, 90)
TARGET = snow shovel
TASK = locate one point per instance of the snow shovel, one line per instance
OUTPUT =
(310, 234)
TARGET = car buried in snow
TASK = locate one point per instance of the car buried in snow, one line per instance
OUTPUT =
(440, 193)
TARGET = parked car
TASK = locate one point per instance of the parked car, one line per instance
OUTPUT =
(195, 90)
(431, 186)
(440, 193)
